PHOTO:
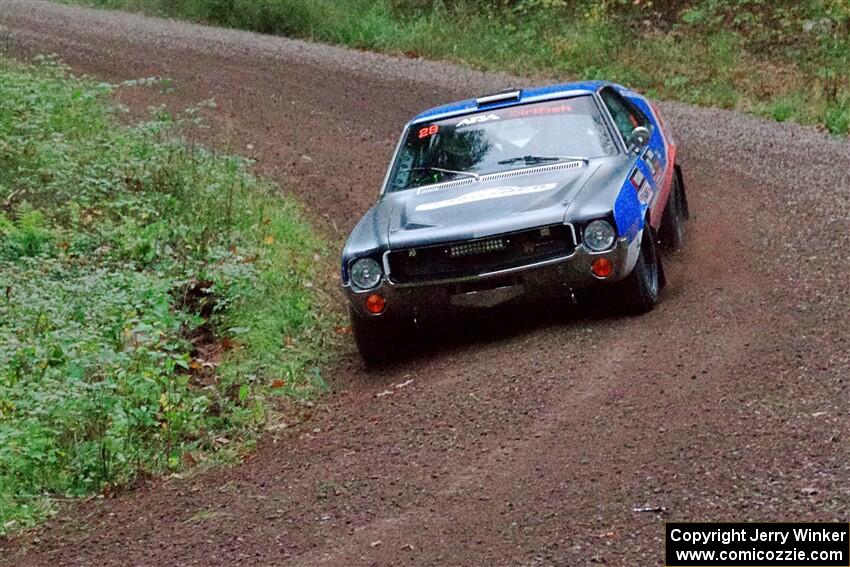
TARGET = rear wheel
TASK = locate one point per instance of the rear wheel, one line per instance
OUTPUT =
(378, 339)
(672, 229)
(638, 293)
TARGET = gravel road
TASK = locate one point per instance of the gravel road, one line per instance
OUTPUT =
(525, 439)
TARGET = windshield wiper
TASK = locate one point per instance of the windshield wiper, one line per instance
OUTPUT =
(442, 170)
(538, 159)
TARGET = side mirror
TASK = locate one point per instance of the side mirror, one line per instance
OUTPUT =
(639, 137)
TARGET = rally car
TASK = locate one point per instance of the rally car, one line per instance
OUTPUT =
(554, 191)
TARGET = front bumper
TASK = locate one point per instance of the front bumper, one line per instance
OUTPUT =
(553, 278)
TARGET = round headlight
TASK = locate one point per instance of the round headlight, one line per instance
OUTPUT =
(366, 273)
(599, 235)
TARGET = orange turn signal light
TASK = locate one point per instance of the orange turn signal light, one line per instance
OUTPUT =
(602, 267)
(375, 304)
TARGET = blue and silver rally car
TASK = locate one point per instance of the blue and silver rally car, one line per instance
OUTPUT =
(555, 191)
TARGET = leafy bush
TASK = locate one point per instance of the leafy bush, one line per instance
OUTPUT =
(26, 237)
(118, 245)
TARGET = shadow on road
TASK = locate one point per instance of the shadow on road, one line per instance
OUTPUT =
(458, 331)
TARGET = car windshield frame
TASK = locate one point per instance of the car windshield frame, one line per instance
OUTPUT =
(424, 129)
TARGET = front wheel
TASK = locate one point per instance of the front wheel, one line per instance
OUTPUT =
(680, 179)
(638, 292)
(377, 339)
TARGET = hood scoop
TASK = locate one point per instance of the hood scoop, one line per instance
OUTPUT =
(424, 190)
(532, 170)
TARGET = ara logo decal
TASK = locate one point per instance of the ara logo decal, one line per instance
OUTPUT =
(477, 119)
(485, 194)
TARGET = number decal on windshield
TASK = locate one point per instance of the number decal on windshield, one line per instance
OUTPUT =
(428, 131)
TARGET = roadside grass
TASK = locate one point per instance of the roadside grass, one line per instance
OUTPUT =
(784, 59)
(154, 296)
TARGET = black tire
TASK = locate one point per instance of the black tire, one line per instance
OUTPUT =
(638, 293)
(672, 229)
(377, 339)
(683, 194)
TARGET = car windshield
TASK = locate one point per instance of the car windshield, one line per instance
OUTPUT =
(499, 140)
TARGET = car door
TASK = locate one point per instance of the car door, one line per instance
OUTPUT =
(649, 160)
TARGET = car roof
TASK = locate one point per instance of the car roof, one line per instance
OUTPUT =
(534, 94)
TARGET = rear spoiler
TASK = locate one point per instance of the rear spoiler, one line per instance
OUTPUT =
(504, 96)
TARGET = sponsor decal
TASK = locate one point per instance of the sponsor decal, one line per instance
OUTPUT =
(539, 110)
(469, 120)
(486, 194)
(645, 194)
(653, 161)
(637, 178)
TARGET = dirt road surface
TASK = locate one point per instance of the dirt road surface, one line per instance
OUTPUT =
(530, 443)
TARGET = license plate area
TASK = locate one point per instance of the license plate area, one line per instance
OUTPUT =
(485, 284)
(487, 293)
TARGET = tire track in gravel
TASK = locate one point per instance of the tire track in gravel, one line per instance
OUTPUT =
(526, 439)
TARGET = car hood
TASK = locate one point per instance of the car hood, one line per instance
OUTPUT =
(467, 209)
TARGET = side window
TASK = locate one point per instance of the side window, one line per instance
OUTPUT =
(625, 117)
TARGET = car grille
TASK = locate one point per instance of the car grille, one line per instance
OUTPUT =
(483, 255)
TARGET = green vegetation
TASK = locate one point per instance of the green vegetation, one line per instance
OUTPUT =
(784, 59)
(153, 296)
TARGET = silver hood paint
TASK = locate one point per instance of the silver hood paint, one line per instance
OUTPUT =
(434, 214)
(482, 208)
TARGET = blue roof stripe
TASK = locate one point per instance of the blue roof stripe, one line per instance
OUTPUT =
(528, 95)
